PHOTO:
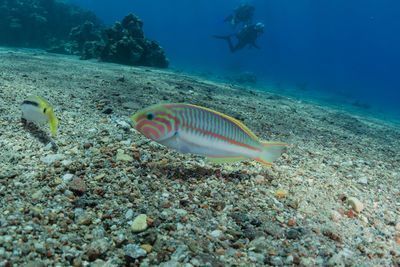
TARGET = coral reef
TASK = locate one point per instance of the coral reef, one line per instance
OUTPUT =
(62, 28)
(125, 43)
(40, 23)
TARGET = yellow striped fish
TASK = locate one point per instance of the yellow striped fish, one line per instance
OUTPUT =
(199, 130)
(36, 109)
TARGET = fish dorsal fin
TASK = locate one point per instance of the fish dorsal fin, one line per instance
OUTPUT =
(236, 122)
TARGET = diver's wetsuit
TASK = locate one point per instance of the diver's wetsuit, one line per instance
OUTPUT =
(247, 36)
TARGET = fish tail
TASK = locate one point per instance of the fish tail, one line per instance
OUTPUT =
(270, 152)
(53, 122)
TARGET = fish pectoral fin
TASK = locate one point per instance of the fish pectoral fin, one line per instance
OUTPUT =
(225, 159)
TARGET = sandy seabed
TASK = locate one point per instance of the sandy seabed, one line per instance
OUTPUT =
(76, 198)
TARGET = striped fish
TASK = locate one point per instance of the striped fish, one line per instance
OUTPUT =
(36, 109)
(194, 129)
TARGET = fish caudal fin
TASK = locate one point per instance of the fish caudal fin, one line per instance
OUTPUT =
(53, 122)
(271, 152)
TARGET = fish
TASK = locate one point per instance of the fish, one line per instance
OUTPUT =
(199, 130)
(38, 110)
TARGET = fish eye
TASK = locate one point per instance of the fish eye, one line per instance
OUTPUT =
(150, 116)
(44, 110)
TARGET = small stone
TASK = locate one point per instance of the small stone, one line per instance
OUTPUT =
(37, 195)
(146, 247)
(129, 214)
(274, 230)
(87, 145)
(52, 158)
(397, 227)
(363, 180)
(355, 204)
(335, 216)
(139, 224)
(259, 244)
(121, 156)
(107, 111)
(216, 233)
(52, 217)
(28, 229)
(100, 263)
(289, 259)
(292, 234)
(93, 253)
(259, 179)
(281, 193)
(134, 251)
(78, 186)
(291, 222)
(100, 176)
(85, 218)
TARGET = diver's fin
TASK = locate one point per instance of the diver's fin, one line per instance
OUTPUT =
(226, 37)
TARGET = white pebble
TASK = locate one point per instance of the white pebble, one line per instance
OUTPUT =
(363, 180)
(355, 204)
(216, 233)
(139, 224)
(335, 216)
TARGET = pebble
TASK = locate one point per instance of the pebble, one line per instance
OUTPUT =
(121, 156)
(335, 216)
(134, 251)
(397, 227)
(107, 111)
(78, 186)
(85, 219)
(259, 244)
(363, 180)
(281, 193)
(124, 125)
(52, 158)
(37, 195)
(216, 233)
(100, 176)
(129, 214)
(146, 247)
(355, 204)
(139, 224)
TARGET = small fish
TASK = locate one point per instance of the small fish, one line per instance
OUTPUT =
(199, 130)
(36, 109)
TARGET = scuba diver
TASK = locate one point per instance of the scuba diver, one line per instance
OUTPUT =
(242, 14)
(245, 37)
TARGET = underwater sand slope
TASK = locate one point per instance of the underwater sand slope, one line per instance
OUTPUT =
(333, 198)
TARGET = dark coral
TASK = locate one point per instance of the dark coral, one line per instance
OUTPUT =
(40, 23)
(125, 43)
(62, 28)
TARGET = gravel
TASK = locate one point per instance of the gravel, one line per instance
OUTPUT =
(72, 199)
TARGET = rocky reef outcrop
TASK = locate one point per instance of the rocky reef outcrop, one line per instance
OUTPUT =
(40, 23)
(59, 27)
(125, 43)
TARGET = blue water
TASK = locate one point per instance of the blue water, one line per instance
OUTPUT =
(345, 49)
